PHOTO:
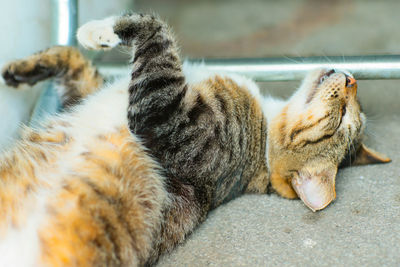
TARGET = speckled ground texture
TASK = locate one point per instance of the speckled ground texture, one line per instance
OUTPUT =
(362, 227)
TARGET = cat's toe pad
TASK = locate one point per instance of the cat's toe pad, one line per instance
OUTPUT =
(98, 35)
(13, 73)
(24, 72)
(9, 79)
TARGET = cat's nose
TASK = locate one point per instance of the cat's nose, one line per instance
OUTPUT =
(351, 86)
(350, 81)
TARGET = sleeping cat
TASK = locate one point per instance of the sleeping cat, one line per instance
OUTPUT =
(100, 186)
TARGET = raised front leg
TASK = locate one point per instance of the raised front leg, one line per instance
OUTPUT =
(75, 75)
(158, 85)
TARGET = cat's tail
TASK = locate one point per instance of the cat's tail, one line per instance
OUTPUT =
(75, 76)
(158, 85)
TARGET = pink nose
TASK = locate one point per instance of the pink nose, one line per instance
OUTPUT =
(350, 81)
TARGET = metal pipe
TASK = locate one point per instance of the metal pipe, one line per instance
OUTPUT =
(64, 25)
(65, 21)
(295, 68)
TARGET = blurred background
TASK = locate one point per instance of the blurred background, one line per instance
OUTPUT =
(259, 28)
(227, 28)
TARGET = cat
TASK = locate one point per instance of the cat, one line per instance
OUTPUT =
(127, 171)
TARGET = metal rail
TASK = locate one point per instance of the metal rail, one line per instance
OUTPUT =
(65, 21)
(64, 25)
(289, 69)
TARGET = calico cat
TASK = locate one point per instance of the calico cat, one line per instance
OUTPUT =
(129, 170)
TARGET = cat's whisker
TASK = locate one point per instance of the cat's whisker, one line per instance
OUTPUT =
(292, 59)
(370, 132)
(124, 50)
(349, 141)
(326, 57)
(373, 116)
(353, 150)
(298, 56)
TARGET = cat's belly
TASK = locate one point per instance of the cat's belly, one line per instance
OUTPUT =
(44, 162)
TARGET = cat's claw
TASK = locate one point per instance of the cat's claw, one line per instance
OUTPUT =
(21, 72)
(9, 79)
(98, 35)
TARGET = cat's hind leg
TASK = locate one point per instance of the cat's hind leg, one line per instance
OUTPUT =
(76, 78)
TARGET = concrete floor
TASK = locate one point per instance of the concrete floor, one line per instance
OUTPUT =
(361, 228)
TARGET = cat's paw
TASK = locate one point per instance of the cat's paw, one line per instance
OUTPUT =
(98, 35)
(24, 72)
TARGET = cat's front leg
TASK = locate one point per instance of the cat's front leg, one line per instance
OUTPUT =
(157, 87)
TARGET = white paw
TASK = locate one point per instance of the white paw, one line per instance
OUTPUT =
(98, 35)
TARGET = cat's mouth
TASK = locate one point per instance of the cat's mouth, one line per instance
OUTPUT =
(350, 82)
(320, 79)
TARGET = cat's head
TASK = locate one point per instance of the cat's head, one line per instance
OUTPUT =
(321, 126)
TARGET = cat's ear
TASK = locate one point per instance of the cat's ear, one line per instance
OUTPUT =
(315, 185)
(365, 155)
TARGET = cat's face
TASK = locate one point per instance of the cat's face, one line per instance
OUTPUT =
(307, 141)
